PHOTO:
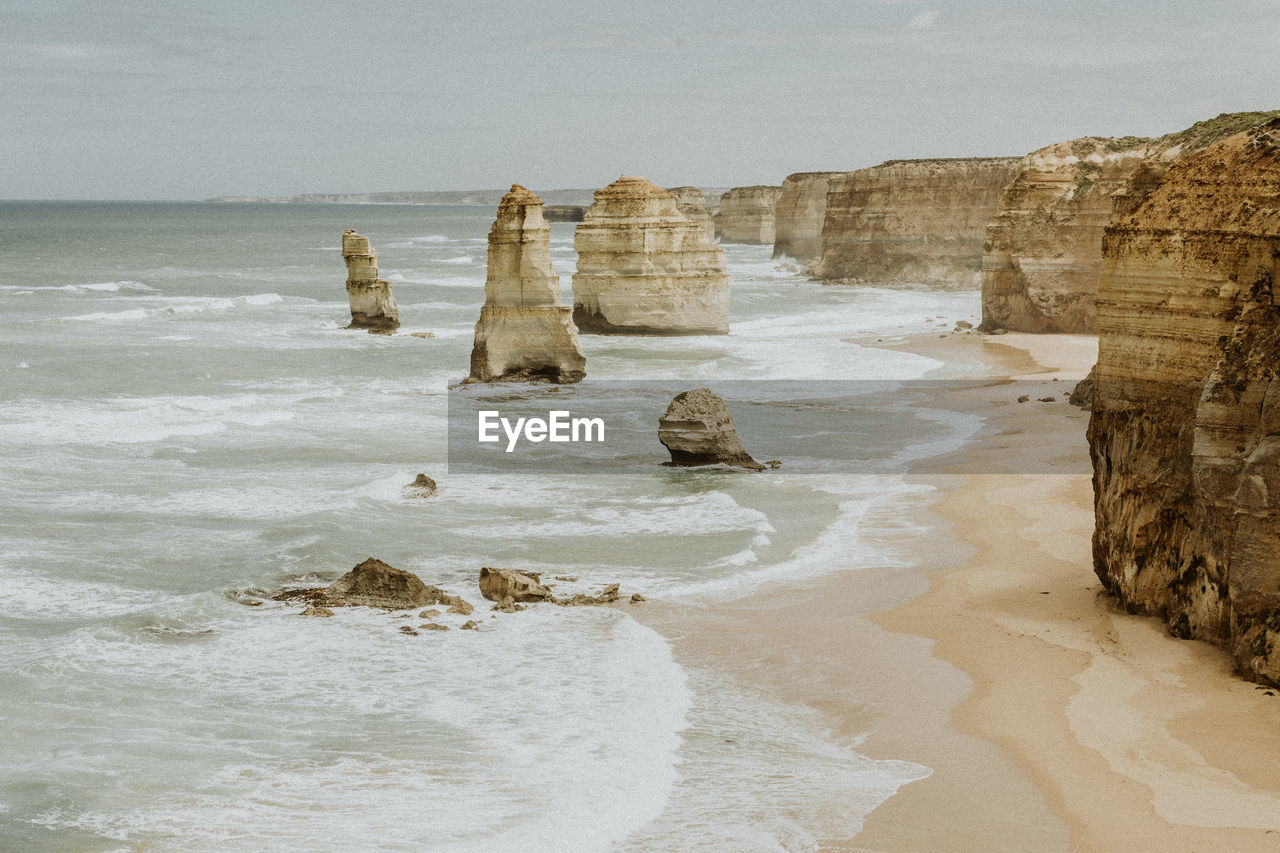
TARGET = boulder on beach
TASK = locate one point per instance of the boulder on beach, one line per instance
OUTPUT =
(697, 429)
(499, 584)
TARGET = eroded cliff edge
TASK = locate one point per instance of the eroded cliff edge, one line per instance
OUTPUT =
(1185, 429)
(798, 215)
(746, 215)
(1043, 252)
(912, 221)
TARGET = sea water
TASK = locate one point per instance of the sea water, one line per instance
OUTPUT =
(187, 427)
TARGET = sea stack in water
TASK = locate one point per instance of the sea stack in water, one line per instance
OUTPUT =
(746, 215)
(372, 305)
(1185, 432)
(693, 204)
(524, 331)
(697, 429)
(646, 269)
(798, 216)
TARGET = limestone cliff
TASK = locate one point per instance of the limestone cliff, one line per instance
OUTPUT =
(1185, 430)
(690, 202)
(799, 214)
(1043, 251)
(912, 221)
(523, 329)
(372, 305)
(643, 268)
(746, 215)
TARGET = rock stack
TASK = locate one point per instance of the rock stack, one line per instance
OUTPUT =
(691, 202)
(1185, 431)
(523, 330)
(697, 429)
(798, 216)
(644, 268)
(372, 305)
(746, 215)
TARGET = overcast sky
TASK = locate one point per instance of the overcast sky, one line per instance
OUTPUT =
(170, 100)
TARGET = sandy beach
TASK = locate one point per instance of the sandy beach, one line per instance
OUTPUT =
(1051, 719)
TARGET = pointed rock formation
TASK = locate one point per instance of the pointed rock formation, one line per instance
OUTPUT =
(798, 215)
(1185, 430)
(645, 269)
(912, 221)
(697, 429)
(523, 330)
(691, 202)
(372, 305)
(746, 215)
(1043, 253)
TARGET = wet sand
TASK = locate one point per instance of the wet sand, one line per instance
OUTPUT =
(1050, 719)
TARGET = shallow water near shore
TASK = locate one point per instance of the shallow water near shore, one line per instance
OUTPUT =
(185, 419)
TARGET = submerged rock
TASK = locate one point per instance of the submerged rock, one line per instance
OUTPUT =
(318, 611)
(421, 487)
(697, 429)
(499, 584)
(372, 305)
(646, 269)
(523, 330)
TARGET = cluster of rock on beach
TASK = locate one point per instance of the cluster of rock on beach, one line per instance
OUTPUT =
(376, 584)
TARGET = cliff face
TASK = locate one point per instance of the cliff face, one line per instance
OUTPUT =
(1043, 252)
(746, 215)
(523, 329)
(372, 305)
(643, 268)
(799, 214)
(912, 221)
(690, 202)
(1185, 430)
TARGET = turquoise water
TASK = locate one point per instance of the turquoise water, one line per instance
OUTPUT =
(184, 419)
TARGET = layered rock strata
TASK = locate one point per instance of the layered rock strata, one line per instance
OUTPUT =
(523, 330)
(799, 214)
(746, 215)
(912, 221)
(697, 429)
(691, 202)
(1185, 430)
(644, 268)
(1043, 252)
(372, 305)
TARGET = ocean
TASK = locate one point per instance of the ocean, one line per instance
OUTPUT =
(187, 428)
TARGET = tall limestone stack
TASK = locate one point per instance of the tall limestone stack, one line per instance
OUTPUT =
(746, 215)
(523, 330)
(691, 202)
(645, 269)
(1185, 431)
(912, 221)
(1044, 248)
(799, 214)
(372, 305)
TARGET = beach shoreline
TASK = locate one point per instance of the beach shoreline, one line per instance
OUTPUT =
(1050, 719)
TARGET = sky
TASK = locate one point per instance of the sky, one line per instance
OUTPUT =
(168, 100)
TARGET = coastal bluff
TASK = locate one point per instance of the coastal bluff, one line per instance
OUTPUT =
(372, 305)
(523, 330)
(799, 214)
(1043, 252)
(1185, 428)
(645, 268)
(912, 221)
(746, 215)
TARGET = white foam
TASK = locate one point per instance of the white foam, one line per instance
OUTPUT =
(182, 305)
(464, 259)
